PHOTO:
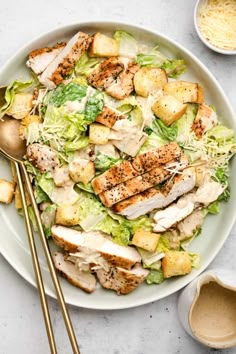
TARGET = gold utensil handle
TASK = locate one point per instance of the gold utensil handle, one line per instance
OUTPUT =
(51, 267)
(36, 265)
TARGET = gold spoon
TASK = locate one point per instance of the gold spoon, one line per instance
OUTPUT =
(14, 148)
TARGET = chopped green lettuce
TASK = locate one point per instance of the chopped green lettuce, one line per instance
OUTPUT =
(128, 45)
(221, 176)
(214, 208)
(47, 217)
(46, 183)
(85, 65)
(220, 132)
(195, 260)
(63, 130)
(184, 124)
(78, 144)
(94, 106)
(153, 141)
(104, 162)
(163, 244)
(11, 90)
(40, 195)
(173, 67)
(168, 133)
(155, 277)
(32, 218)
(64, 93)
(87, 188)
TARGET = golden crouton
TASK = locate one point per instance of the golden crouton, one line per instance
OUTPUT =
(184, 91)
(98, 134)
(168, 109)
(6, 191)
(81, 171)
(67, 215)
(146, 240)
(176, 263)
(148, 80)
(103, 46)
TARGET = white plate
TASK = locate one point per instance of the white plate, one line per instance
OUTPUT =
(13, 242)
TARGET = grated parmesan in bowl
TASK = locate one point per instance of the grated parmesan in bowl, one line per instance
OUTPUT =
(215, 23)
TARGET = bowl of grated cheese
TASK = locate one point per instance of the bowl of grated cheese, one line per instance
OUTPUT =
(215, 23)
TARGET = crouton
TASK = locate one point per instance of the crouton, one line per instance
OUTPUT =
(81, 170)
(184, 91)
(98, 134)
(168, 109)
(146, 240)
(67, 215)
(176, 263)
(103, 46)
(148, 80)
(6, 191)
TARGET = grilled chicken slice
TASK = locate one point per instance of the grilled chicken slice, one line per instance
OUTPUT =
(138, 165)
(107, 71)
(42, 157)
(39, 59)
(115, 175)
(152, 198)
(64, 62)
(83, 280)
(124, 85)
(109, 116)
(174, 213)
(142, 182)
(145, 162)
(207, 193)
(115, 76)
(121, 280)
(116, 255)
(205, 120)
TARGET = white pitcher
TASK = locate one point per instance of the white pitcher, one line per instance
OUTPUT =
(207, 308)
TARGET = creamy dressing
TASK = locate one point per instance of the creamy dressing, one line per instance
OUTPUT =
(214, 313)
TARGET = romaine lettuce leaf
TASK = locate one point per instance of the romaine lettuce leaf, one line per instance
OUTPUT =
(104, 162)
(221, 176)
(163, 244)
(173, 67)
(94, 106)
(63, 129)
(214, 208)
(168, 133)
(155, 277)
(85, 65)
(195, 260)
(64, 93)
(184, 124)
(47, 217)
(15, 87)
(128, 44)
(220, 132)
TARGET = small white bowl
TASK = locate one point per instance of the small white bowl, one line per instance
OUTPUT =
(200, 35)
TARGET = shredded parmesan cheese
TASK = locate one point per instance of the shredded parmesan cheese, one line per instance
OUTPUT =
(217, 22)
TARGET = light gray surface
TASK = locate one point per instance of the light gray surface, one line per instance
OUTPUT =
(152, 328)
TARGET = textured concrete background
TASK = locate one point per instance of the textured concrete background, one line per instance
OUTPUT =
(149, 329)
